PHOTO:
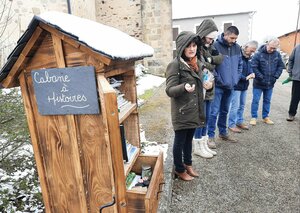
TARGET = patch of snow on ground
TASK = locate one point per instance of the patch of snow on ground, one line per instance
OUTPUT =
(148, 81)
(151, 147)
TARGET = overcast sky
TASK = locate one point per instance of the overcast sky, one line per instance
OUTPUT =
(271, 17)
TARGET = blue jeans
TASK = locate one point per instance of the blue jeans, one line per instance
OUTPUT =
(237, 107)
(267, 95)
(219, 109)
(201, 131)
(182, 145)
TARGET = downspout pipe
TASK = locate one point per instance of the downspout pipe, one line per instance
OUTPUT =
(69, 6)
(296, 32)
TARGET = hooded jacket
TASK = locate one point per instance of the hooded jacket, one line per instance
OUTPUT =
(228, 73)
(267, 68)
(186, 108)
(207, 26)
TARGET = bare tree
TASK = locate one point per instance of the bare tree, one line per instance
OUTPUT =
(6, 17)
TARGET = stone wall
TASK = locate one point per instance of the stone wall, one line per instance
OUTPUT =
(147, 20)
(23, 11)
(123, 15)
(157, 32)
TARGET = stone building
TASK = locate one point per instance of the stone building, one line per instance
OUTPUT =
(149, 21)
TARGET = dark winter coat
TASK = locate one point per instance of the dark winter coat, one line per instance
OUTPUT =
(207, 26)
(267, 68)
(294, 64)
(243, 84)
(186, 108)
(228, 73)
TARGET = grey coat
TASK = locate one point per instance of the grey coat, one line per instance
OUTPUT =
(186, 108)
(294, 64)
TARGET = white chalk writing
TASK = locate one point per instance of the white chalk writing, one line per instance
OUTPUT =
(46, 78)
(61, 98)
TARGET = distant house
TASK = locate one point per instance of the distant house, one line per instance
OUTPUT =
(243, 20)
(287, 41)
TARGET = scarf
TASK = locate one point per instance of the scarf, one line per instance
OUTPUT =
(193, 64)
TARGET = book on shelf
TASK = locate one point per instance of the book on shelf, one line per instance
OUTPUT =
(123, 142)
(132, 152)
(128, 150)
(115, 83)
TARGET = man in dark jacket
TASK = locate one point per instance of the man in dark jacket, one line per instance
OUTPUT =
(294, 74)
(238, 100)
(227, 75)
(267, 65)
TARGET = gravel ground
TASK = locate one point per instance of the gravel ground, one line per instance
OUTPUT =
(261, 173)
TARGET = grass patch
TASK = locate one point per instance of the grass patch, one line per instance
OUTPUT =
(147, 94)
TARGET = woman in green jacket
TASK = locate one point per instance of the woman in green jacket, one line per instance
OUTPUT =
(184, 87)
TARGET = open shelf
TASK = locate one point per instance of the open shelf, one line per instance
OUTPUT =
(126, 111)
(128, 166)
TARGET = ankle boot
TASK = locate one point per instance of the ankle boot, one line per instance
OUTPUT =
(191, 171)
(202, 151)
(196, 146)
(207, 148)
(183, 176)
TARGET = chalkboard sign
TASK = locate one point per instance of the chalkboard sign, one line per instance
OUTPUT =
(61, 91)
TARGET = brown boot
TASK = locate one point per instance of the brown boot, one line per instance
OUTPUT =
(191, 171)
(183, 176)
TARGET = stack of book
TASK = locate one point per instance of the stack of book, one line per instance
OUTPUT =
(122, 102)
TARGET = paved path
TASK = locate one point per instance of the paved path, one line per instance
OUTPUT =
(261, 173)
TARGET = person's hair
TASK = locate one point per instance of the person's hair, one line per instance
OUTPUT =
(272, 39)
(251, 43)
(195, 40)
(232, 30)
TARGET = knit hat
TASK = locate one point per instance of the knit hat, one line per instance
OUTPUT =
(212, 34)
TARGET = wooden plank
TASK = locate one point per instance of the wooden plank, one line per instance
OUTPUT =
(43, 55)
(72, 132)
(12, 77)
(132, 128)
(76, 44)
(96, 161)
(58, 50)
(126, 111)
(110, 108)
(91, 52)
(117, 71)
(128, 166)
(152, 196)
(60, 158)
(59, 34)
(129, 88)
(34, 140)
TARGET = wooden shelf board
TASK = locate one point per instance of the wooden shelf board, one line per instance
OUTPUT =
(128, 166)
(126, 111)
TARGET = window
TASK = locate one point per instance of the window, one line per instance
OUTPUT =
(226, 25)
(175, 33)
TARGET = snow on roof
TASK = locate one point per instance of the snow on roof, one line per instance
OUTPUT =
(108, 40)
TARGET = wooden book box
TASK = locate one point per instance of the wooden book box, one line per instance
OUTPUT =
(79, 156)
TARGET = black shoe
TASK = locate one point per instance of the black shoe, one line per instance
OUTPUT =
(228, 138)
(290, 118)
